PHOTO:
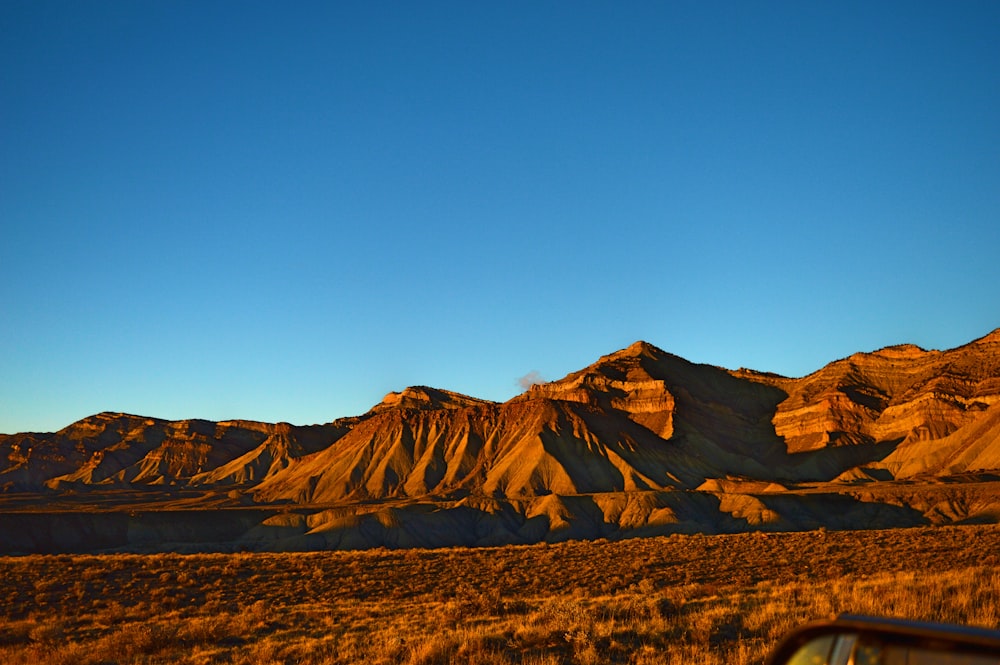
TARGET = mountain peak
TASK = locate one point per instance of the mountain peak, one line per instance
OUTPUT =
(426, 398)
(637, 349)
(900, 351)
(640, 348)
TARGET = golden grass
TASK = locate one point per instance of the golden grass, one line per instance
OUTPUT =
(691, 599)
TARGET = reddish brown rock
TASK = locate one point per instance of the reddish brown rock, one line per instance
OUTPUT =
(639, 442)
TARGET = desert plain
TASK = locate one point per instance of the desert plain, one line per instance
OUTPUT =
(644, 509)
(672, 599)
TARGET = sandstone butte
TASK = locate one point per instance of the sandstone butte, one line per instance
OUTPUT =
(639, 443)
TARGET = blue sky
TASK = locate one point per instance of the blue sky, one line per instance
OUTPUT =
(282, 212)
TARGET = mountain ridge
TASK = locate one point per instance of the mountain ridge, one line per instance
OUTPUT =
(638, 421)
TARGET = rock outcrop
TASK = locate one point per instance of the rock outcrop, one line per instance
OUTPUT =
(639, 442)
(896, 395)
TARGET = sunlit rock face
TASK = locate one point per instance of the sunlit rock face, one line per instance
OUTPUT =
(638, 419)
(899, 394)
(620, 382)
(425, 398)
(116, 449)
(639, 443)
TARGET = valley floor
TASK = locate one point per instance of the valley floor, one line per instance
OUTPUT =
(154, 519)
(681, 598)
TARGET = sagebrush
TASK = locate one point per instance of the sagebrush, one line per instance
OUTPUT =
(691, 599)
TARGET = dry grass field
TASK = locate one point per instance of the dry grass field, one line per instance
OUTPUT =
(691, 599)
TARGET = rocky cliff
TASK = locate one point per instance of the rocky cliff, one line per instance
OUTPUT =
(696, 441)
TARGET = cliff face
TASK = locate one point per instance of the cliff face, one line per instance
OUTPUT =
(617, 382)
(120, 449)
(638, 419)
(639, 443)
(898, 395)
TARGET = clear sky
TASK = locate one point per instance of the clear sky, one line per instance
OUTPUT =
(282, 211)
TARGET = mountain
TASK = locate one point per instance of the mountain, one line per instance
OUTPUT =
(641, 441)
(116, 449)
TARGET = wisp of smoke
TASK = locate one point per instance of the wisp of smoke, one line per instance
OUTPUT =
(530, 379)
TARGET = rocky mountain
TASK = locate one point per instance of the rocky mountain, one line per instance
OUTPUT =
(640, 441)
(115, 449)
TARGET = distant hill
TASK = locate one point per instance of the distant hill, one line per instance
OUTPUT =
(641, 441)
